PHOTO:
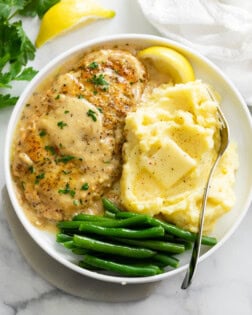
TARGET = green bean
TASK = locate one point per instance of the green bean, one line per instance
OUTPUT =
(122, 232)
(162, 260)
(108, 214)
(69, 225)
(69, 244)
(206, 240)
(126, 243)
(177, 240)
(110, 248)
(172, 229)
(61, 238)
(89, 217)
(184, 234)
(126, 214)
(110, 206)
(188, 245)
(134, 221)
(155, 245)
(84, 265)
(123, 269)
(166, 260)
(79, 251)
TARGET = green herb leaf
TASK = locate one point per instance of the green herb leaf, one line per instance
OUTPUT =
(85, 186)
(39, 177)
(9, 8)
(42, 133)
(7, 100)
(93, 65)
(92, 114)
(65, 158)
(67, 190)
(16, 49)
(37, 7)
(50, 149)
(99, 80)
(27, 74)
(61, 124)
(31, 169)
(26, 46)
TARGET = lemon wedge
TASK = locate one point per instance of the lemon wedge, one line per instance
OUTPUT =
(167, 60)
(67, 14)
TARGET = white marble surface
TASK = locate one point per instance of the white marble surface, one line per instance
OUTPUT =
(223, 284)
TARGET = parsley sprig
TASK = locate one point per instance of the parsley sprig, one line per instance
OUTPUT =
(99, 80)
(16, 49)
(92, 114)
(67, 191)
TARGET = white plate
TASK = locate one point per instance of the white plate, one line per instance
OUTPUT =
(240, 124)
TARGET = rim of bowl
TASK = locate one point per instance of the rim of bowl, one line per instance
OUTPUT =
(57, 61)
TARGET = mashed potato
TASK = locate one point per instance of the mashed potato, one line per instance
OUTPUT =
(172, 141)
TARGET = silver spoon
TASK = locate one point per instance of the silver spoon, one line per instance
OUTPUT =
(224, 135)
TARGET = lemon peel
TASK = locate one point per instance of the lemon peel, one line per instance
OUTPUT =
(167, 60)
(68, 14)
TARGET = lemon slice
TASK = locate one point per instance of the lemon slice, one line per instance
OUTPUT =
(167, 60)
(67, 14)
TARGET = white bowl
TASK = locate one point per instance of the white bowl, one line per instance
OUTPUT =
(239, 120)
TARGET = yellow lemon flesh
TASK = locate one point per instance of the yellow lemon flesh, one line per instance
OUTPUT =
(167, 60)
(67, 14)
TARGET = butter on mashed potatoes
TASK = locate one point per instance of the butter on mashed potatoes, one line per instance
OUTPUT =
(172, 141)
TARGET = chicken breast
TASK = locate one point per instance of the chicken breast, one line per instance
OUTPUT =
(67, 152)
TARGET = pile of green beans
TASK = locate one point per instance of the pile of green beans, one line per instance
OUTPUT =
(125, 243)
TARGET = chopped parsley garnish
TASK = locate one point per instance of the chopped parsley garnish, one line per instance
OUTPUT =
(93, 65)
(39, 177)
(66, 112)
(65, 158)
(31, 169)
(95, 92)
(99, 109)
(92, 114)
(42, 133)
(99, 80)
(61, 124)
(80, 96)
(50, 149)
(67, 191)
(57, 97)
(85, 186)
